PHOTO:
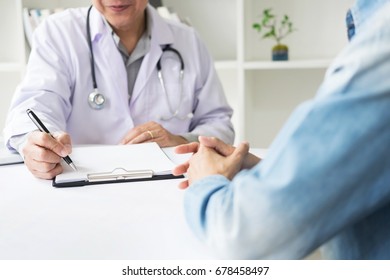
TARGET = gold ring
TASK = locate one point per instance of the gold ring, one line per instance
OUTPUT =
(151, 134)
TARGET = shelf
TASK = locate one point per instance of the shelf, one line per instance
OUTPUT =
(292, 64)
(269, 65)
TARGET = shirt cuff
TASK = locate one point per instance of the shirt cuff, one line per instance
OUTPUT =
(190, 137)
(17, 142)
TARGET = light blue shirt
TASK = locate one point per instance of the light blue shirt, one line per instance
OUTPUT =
(326, 178)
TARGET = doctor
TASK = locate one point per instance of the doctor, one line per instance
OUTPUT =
(114, 73)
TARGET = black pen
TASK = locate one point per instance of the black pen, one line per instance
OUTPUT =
(43, 128)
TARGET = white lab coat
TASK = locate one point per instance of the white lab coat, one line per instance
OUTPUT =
(58, 82)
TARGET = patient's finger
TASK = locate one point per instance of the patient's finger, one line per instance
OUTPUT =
(187, 148)
(183, 184)
(217, 144)
(180, 169)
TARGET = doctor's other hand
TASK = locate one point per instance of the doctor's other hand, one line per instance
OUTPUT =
(207, 161)
(43, 153)
(152, 132)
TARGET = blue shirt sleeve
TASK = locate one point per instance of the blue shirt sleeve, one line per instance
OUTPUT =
(327, 170)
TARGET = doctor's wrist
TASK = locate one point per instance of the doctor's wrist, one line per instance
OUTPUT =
(18, 142)
(190, 137)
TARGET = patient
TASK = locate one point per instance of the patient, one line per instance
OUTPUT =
(326, 178)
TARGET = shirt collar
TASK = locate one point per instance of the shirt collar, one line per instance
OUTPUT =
(145, 36)
(363, 10)
(142, 47)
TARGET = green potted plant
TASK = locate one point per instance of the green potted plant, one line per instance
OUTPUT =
(270, 27)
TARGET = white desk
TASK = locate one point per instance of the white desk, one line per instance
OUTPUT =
(138, 220)
(141, 220)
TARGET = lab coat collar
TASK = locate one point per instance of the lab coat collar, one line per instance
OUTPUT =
(161, 33)
(97, 24)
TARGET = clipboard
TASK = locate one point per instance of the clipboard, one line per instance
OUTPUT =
(104, 164)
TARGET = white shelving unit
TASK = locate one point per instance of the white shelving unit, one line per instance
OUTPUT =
(263, 93)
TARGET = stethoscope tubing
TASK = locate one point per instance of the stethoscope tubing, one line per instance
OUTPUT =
(92, 60)
(97, 100)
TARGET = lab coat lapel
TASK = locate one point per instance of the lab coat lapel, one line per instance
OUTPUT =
(110, 61)
(116, 66)
(161, 35)
(149, 64)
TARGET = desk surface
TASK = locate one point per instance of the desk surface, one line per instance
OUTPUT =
(137, 220)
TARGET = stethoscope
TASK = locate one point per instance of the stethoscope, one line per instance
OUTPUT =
(96, 100)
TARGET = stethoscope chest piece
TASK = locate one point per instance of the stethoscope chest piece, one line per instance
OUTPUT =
(96, 100)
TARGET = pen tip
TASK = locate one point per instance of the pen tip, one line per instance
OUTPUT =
(73, 166)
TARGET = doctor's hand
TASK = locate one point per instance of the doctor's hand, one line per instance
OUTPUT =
(152, 132)
(219, 146)
(43, 154)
